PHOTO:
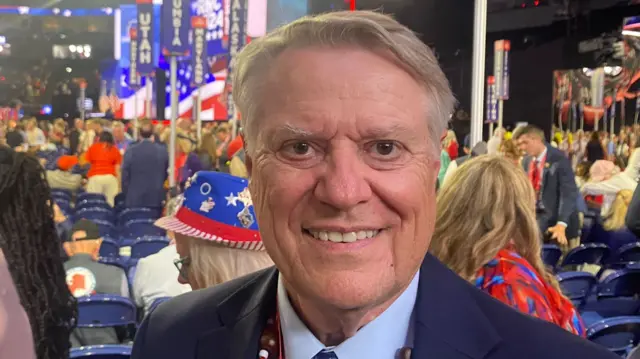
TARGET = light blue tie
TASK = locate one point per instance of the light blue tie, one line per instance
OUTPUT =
(325, 355)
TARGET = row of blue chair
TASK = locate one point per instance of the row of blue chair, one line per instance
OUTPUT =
(591, 253)
(142, 247)
(619, 334)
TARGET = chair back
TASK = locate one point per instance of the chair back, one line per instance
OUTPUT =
(130, 214)
(109, 249)
(91, 196)
(106, 228)
(551, 254)
(629, 253)
(95, 213)
(634, 353)
(147, 246)
(118, 200)
(105, 310)
(619, 334)
(576, 285)
(589, 253)
(61, 194)
(621, 283)
(93, 203)
(101, 352)
(142, 228)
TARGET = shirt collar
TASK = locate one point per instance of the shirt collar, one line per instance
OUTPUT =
(542, 156)
(381, 338)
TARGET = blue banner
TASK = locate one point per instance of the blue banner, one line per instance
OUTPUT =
(176, 18)
(237, 40)
(146, 29)
(213, 12)
(199, 50)
(134, 79)
(504, 95)
(501, 68)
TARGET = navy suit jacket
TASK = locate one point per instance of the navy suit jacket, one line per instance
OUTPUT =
(559, 192)
(144, 171)
(453, 320)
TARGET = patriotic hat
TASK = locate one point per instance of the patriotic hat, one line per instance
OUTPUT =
(216, 207)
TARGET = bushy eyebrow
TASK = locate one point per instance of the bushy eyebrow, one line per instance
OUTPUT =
(391, 132)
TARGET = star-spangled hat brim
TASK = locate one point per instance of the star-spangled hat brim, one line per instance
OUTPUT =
(233, 237)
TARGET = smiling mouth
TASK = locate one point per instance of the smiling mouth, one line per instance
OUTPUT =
(342, 237)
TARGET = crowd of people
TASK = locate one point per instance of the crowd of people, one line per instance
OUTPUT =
(342, 222)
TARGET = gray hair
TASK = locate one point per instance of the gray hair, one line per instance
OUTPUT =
(364, 29)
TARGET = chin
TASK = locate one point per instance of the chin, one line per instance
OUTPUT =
(350, 290)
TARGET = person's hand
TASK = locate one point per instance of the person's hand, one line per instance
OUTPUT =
(558, 233)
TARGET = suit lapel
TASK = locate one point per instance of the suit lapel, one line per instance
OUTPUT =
(243, 315)
(449, 324)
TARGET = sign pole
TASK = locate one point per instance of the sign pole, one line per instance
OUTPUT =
(175, 42)
(135, 112)
(477, 80)
(149, 97)
(198, 108)
(580, 106)
(174, 120)
(635, 118)
(83, 96)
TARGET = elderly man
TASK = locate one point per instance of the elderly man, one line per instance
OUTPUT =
(342, 118)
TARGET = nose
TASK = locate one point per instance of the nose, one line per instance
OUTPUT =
(343, 185)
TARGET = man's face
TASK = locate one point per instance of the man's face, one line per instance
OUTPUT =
(118, 133)
(529, 144)
(343, 175)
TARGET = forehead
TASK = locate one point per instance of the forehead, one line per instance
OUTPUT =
(322, 87)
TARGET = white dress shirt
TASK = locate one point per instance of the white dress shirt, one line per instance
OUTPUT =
(382, 338)
(157, 277)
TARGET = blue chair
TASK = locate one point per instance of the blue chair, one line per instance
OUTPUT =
(105, 310)
(109, 249)
(130, 214)
(147, 246)
(107, 229)
(118, 200)
(92, 214)
(141, 228)
(91, 196)
(551, 254)
(576, 286)
(101, 352)
(629, 253)
(61, 193)
(618, 334)
(157, 302)
(92, 203)
(589, 253)
(65, 206)
(615, 296)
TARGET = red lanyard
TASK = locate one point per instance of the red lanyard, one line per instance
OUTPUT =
(271, 339)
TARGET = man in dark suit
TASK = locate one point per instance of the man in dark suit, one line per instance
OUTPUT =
(633, 213)
(144, 171)
(553, 180)
(343, 161)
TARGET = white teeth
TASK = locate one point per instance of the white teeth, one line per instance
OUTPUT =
(338, 237)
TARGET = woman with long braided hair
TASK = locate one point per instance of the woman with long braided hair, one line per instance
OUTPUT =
(30, 245)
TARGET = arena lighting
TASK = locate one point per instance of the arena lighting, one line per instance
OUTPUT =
(72, 48)
(68, 69)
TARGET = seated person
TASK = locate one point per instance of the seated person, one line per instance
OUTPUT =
(86, 276)
(156, 275)
(498, 247)
(618, 234)
(216, 232)
(63, 177)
